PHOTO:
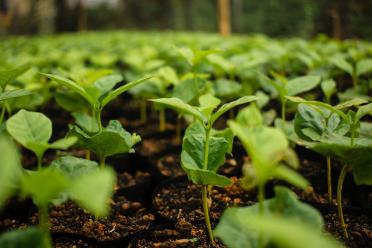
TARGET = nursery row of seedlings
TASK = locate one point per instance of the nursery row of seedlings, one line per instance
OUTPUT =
(214, 204)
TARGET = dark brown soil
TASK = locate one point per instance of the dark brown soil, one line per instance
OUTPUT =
(156, 147)
(180, 198)
(126, 218)
(180, 234)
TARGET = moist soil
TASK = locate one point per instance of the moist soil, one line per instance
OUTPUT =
(155, 203)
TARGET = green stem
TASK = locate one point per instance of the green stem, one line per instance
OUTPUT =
(261, 200)
(87, 155)
(2, 114)
(206, 148)
(97, 116)
(40, 160)
(329, 178)
(355, 80)
(162, 120)
(340, 184)
(143, 111)
(102, 162)
(231, 114)
(283, 109)
(44, 225)
(206, 212)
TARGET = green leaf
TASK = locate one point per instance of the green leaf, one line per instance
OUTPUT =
(107, 83)
(7, 76)
(9, 94)
(302, 84)
(24, 238)
(10, 167)
(64, 143)
(208, 103)
(113, 94)
(227, 89)
(328, 88)
(86, 122)
(72, 86)
(250, 116)
(192, 156)
(342, 64)
(43, 186)
(181, 107)
(351, 103)
(364, 66)
(291, 176)
(93, 191)
(226, 107)
(363, 111)
(290, 223)
(190, 89)
(112, 140)
(73, 167)
(266, 146)
(31, 129)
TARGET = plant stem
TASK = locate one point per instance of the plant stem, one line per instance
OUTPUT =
(355, 80)
(143, 111)
(40, 160)
(2, 113)
(231, 114)
(261, 199)
(162, 120)
(206, 148)
(44, 224)
(97, 116)
(178, 130)
(87, 155)
(102, 162)
(283, 109)
(329, 178)
(340, 183)
(206, 212)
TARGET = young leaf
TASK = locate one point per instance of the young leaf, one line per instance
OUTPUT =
(93, 191)
(364, 66)
(28, 127)
(328, 88)
(180, 106)
(226, 107)
(72, 86)
(7, 76)
(63, 144)
(342, 64)
(302, 84)
(86, 122)
(44, 185)
(9, 94)
(250, 116)
(113, 94)
(208, 103)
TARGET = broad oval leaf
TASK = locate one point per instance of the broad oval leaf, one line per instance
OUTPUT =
(29, 128)
(301, 84)
(364, 66)
(10, 94)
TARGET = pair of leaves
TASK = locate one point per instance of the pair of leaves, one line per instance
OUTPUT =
(33, 130)
(112, 140)
(76, 179)
(268, 147)
(100, 93)
(286, 223)
(193, 154)
(362, 67)
(205, 113)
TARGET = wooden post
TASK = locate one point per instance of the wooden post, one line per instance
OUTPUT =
(224, 22)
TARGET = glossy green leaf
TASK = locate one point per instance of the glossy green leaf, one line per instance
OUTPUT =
(226, 107)
(190, 89)
(180, 106)
(24, 238)
(72, 86)
(328, 88)
(250, 116)
(74, 167)
(30, 128)
(112, 140)
(63, 143)
(86, 122)
(115, 93)
(301, 84)
(208, 103)
(94, 190)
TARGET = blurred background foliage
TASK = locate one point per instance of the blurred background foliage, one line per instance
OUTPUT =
(277, 18)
